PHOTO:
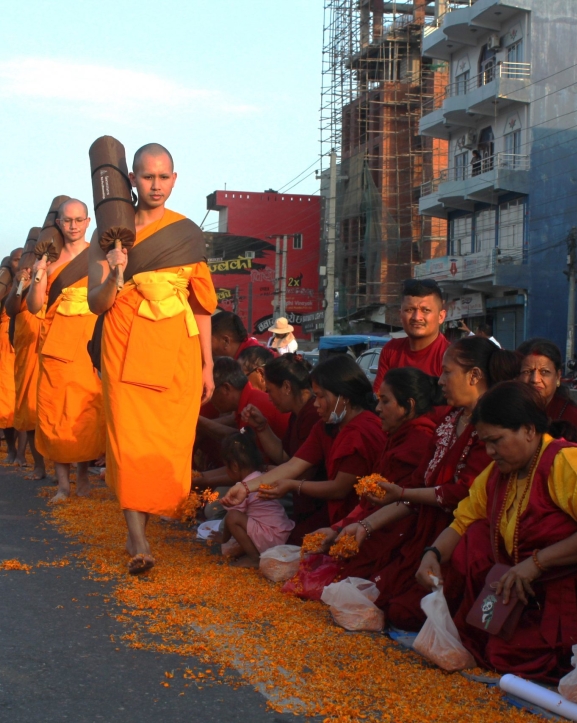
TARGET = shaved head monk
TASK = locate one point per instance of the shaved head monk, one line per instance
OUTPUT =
(7, 386)
(25, 342)
(156, 352)
(70, 420)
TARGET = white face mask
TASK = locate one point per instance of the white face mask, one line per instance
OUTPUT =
(337, 418)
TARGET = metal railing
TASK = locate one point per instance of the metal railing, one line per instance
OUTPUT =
(512, 161)
(451, 6)
(457, 267)
(502, 69)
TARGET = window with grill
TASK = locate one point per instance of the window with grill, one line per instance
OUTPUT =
(298, 241)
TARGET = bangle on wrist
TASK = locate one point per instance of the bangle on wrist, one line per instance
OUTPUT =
(435, 551)
(367, 527)
(538, 565)
(244, 484)
(300, 486)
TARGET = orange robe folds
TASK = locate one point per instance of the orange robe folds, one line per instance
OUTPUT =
(70, 426)
(152, 383)
(26, 335)
(7, 390)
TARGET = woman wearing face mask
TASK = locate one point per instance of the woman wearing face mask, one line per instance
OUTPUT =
(522, 514)
(456, 456)
(541, 369)
(348, 439)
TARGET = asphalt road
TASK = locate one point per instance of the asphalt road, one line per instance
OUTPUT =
(61, 660)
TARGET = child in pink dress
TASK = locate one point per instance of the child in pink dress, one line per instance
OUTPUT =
(256, 524)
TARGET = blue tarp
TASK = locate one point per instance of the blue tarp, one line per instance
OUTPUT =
(342, 342)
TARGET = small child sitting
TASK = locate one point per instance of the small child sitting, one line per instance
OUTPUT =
(256, 524)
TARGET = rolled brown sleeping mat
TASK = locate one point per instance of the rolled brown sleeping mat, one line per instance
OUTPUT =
(28, 255)
(114, 199)
(5, 275)
(50, 241)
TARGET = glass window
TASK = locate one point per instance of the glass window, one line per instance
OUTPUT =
(298, 241)
(515, 53)
(461, 165)
(485, 229)
(462, 83)
(513, 149)
(461, 235)
(511, 224)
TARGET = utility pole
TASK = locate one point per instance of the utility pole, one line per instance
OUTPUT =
(276, 302)
(571, 259)
(331, 233)
(283, 277)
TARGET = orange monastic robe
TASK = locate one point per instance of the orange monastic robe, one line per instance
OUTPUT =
(26, 335)
(151, 377)
(7, 389)
(70, 426)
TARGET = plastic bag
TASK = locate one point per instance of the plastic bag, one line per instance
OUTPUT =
(352, 604)
(280, 563)
(568, 683)
(439, 639)
(314, 574)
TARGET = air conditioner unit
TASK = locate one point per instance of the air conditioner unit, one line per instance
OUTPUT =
(250, 254)
(494, 42)
(470, 139)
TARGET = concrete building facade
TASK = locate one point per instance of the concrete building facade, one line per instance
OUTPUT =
(509, 114)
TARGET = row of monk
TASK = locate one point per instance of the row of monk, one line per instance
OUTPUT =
(477, 474)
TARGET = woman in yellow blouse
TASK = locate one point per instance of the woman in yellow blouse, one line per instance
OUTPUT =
(521, 512)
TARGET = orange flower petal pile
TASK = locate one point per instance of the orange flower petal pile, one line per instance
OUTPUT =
(15, 565)
(312, 542)
(194, 603)
(346, 546)
(188, 509)
(369, 486)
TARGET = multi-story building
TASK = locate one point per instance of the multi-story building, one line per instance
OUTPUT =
(509, 115)
(264, 258)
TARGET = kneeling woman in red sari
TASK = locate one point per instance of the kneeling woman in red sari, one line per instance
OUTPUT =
(347, 439)
(470, 366)
(521, 512)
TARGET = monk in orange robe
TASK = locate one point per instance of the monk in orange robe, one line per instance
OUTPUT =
(26, 332)
(156, 352)
(70, 422)
(16, 443)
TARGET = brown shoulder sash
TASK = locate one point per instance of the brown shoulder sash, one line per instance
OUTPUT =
(180, 244)
(74, 271)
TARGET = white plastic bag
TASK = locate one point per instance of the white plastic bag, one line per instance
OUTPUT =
(352, 605)
(280, 563)
(439, 639)
(568, 683)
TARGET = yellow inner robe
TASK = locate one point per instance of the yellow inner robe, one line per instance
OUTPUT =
(152, 382)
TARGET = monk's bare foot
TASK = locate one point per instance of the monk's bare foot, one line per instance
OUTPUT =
(21, 462)
(140, 563)
(245, 561)
(10, 458)
(37, 473)
(58, 499)
(83, 488)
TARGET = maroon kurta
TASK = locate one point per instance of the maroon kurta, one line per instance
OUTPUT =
(401, 457)
(451, 471)
(541, 645)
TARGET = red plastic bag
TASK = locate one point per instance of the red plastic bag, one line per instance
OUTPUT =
(314, 574)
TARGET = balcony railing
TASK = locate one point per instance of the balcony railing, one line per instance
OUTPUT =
(451, 6)
(456, 267)
(502, 69)
(511, 161)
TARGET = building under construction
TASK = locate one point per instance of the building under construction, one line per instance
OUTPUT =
(375, 84)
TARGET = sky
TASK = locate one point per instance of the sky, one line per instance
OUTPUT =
(232, 89)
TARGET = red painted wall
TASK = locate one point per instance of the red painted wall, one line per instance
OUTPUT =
(246, 285)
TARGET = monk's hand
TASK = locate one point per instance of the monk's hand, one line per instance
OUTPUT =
(429, 566)
(117, 257)
(330, 537)
(252, 417)
(207, 383)
(40, 265)
(355, 530)
(236, 494)
(519, 579)
(278, 489)
(24, 276)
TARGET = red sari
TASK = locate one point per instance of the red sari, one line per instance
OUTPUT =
(541, 644)
(354, 449)
(399, 461)
(451, 470)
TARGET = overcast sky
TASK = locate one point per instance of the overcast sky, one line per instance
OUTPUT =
(232, 88)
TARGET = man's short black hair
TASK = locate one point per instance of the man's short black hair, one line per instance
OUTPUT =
(225, 322)
(228, 371)
(421, 288)
(485, 329)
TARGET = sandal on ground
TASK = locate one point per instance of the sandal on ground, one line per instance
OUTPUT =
(140, 563)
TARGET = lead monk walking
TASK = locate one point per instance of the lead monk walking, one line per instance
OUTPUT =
(156, 352)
